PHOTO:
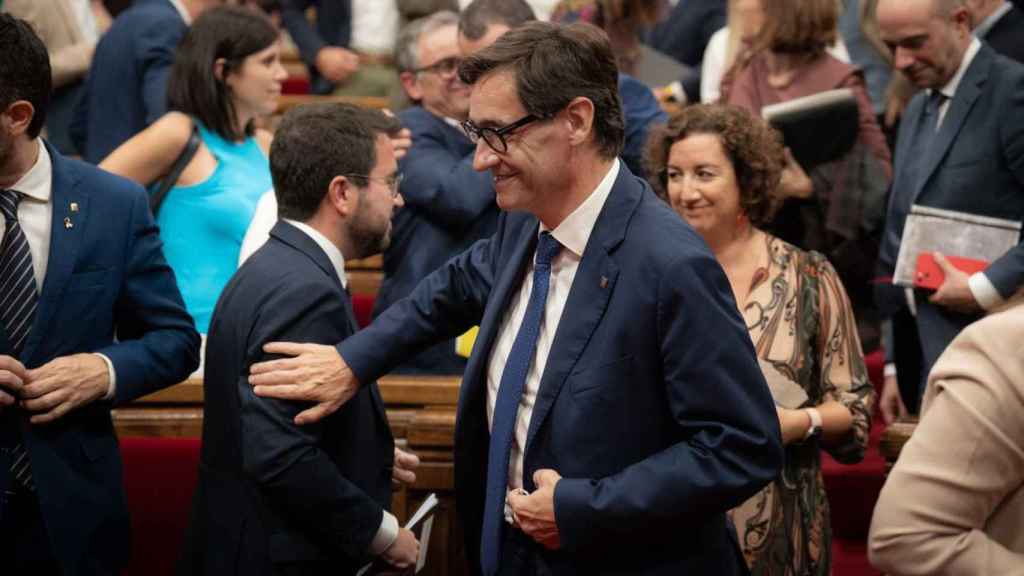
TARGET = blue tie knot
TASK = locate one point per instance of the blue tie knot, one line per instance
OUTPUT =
(547, 249)
(9, 200)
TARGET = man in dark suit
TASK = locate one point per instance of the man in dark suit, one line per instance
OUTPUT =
(1000, 24)
(448, 205)
(684, 35)
(90, 318)
(274, 498)
(323, 46)
(960, 147)
(126, 89)
(613, 408)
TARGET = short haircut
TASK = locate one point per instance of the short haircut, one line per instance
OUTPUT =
(316, 143)
(24, 70)
(407, 52)
(799, 26)
(552, 64)
(229, 32)
(754, 148)
(479, 15)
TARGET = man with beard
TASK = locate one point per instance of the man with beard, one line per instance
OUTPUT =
(274, 498)
(960, 147)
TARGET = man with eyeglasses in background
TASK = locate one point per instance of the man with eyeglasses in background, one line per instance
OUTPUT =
(613, 408)
(448, 205)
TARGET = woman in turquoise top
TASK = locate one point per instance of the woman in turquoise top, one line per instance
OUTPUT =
(227, 73)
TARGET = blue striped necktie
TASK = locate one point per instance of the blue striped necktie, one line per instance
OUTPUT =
(18, 298)
(510, 392)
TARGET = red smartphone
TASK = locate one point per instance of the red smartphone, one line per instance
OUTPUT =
(928, 275)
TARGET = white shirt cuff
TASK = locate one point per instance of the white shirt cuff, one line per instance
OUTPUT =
(112, 387)
(983, 291)
(386, 534)
(889, 369)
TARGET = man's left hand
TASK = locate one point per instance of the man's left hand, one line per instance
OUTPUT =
(64, 384)
(955, 292)
(405, 466)
(535, 513)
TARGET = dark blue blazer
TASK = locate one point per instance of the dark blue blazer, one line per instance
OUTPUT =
(274, 497)
(126, 89)
(640, 111)
(652, 405)
(975, 164)
(448, 206)
(1007, 36)
(685, 33)
(108, 289)
(333, 28)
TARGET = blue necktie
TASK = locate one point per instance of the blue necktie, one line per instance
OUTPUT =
(17, 307)
(510, 392)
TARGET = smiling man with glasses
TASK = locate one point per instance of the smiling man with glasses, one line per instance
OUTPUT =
(613, 409)
(448, 205)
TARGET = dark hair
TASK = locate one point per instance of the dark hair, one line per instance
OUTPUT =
(554, 63)
(799, 26)
(479, 15)
(24, 70)
(753, 147)
(229, 32)
(317, 142)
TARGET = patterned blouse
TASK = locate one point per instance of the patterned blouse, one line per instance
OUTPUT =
(800, 320)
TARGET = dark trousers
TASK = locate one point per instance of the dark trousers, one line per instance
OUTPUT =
(24, 544)
(521, 556)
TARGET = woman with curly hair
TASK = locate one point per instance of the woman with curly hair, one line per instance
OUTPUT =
(718, 167)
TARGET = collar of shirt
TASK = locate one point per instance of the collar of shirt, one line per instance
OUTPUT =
(574, 232)
(982, 30)
(333, 254)
(182, 11)
(950, 88)
(37, 183)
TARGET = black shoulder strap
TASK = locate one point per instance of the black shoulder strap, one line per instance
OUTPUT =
(176, 169)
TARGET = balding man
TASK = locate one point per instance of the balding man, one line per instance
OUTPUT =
(960, 147)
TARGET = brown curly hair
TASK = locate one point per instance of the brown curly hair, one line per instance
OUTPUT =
(753, 147)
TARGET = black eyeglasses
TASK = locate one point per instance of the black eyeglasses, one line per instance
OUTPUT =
(393, 182)
(495, 137)
(444, 67)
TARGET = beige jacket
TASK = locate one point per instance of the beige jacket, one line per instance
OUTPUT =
(55, 22)
(954, 501)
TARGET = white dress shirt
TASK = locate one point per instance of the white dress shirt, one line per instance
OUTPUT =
(573, 234)
(374, 26)
(387, 533)
(35, 215)
(182, 10)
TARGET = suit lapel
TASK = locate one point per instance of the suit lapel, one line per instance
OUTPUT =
(959, 107)
(64, 244)
(591, 291)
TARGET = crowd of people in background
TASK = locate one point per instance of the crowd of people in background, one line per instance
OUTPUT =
(513, 126)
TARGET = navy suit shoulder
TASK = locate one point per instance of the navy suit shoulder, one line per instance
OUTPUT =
(333, 27)
(1007, 36)
(640, 110)
(126, 89)
(310, 496)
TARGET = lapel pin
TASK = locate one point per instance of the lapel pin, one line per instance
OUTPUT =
(74, 206)
(67, 224)
(604, 282)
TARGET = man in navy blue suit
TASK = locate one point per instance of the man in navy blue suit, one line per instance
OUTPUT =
(448, 205)
(613, 409)
(960, 147)
(90, 318)
(126, 89)
(289, 499)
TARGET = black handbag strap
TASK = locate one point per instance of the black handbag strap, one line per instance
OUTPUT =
(177, 168)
